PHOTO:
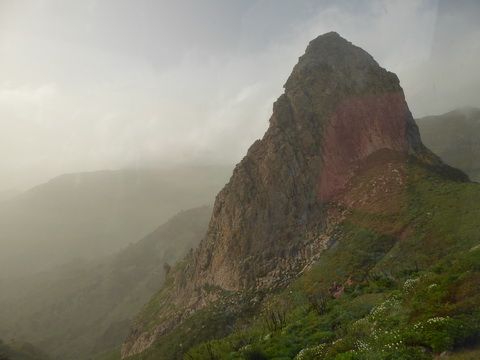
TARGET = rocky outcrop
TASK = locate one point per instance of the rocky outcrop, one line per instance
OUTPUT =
(272, 218)
(339, 106)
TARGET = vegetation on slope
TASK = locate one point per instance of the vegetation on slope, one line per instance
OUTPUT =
(405, 315)
(400, 282)
(16, 350)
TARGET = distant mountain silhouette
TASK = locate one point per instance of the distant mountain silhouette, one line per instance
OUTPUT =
(94, 214)
(455, 137)
(85, 307)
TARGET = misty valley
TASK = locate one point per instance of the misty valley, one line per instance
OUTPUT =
(349, 229)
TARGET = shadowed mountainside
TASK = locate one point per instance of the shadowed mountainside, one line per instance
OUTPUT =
(455, 137)
(18, 350)
(94, 214)
(9, 194)
(85, 307)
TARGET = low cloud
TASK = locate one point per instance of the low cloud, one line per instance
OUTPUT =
(84, 94)
(28, 101)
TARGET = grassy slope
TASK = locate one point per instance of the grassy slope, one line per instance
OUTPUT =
(414, 269)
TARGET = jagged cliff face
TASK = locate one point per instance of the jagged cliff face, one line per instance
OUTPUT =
(339, 106)
(271, 219)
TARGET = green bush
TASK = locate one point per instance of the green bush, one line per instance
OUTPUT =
(254, 354)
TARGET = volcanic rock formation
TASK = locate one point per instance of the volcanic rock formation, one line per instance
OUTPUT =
(339, 106)
(270, 221)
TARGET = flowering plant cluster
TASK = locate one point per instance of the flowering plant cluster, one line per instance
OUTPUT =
(381, 310)
(410, 284)
(314, 352)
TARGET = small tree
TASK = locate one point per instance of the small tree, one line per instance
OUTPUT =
(275, 319)
(318, 301)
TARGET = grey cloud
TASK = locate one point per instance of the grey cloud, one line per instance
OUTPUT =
(155, 82)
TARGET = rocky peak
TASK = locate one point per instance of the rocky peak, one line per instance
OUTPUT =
(339, 106)
(270, 220)
(331, 52)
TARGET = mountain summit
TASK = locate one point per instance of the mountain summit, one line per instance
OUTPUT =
(272, 220)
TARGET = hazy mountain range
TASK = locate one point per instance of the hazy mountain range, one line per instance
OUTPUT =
(85, 307)
(94, 214)
(340, 235)
(455, 137)
(9, 194)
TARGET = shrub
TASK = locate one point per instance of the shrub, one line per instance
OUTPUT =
(254, 354)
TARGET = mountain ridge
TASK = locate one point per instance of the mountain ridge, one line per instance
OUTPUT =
(454, 137)
(339, 108)
(94, 214)
(89, 304)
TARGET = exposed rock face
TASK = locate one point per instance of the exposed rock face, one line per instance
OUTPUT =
(455, 137)
(339, 106)
(269, 221)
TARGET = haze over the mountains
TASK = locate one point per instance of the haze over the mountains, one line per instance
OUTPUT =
(89, 304)
(9, 194)
(117, 114)
(90, 215)
(455, 137)
(91, 85)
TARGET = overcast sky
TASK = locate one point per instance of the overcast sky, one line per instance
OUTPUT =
(104, 84)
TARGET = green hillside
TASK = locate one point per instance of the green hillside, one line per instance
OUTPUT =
(400, 281)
